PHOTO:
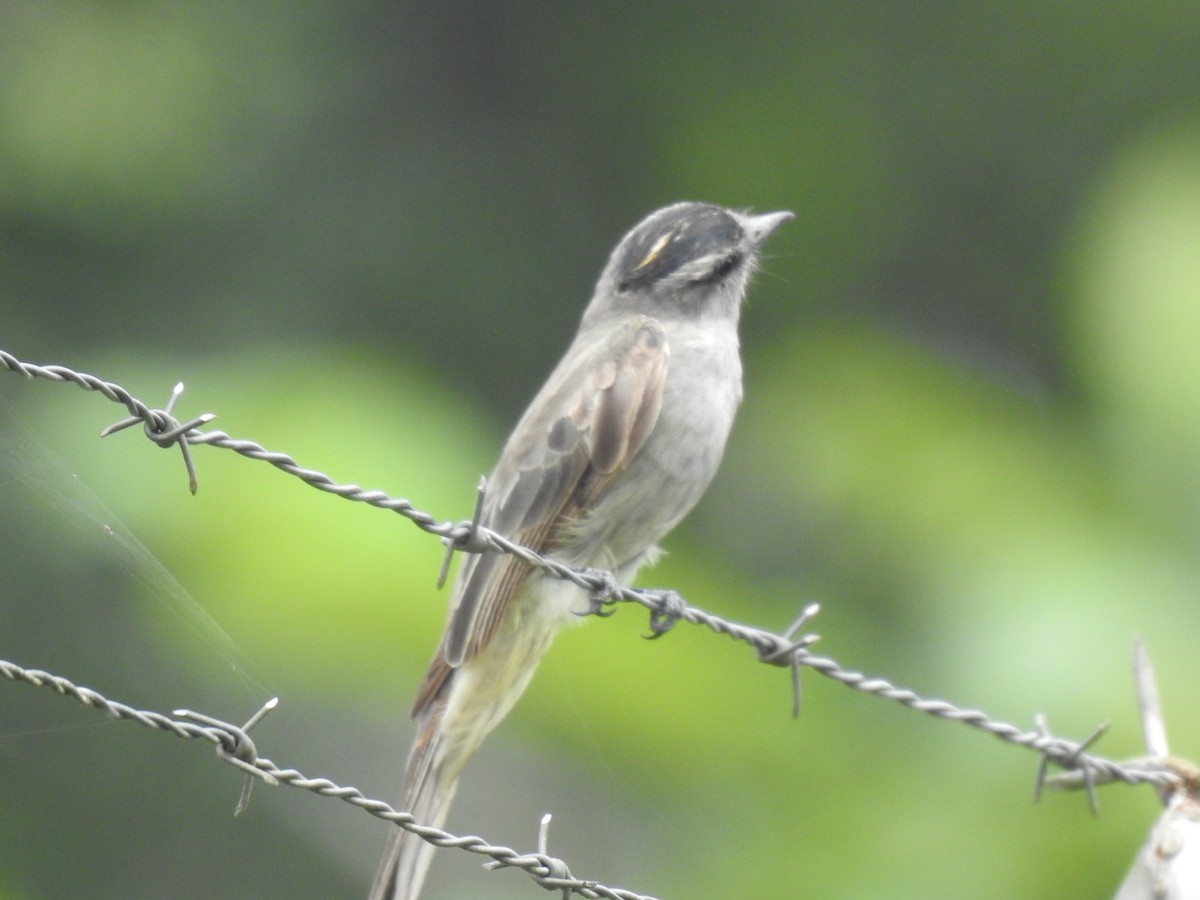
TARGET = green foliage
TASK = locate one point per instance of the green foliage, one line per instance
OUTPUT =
(362, 236)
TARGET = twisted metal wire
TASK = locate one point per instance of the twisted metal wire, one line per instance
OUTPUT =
(666, 607)
(233, 744)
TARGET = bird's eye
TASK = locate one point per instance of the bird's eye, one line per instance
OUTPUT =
(725, 266)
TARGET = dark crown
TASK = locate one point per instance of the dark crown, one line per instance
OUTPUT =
(676, 236)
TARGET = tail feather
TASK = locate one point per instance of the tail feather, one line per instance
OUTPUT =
(455, 711)
(427, 795)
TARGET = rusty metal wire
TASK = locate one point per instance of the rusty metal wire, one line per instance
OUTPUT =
(234, 745)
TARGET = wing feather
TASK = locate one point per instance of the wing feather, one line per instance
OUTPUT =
(592, 417)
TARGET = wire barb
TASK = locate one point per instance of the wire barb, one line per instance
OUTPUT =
(552, 873)
(161, 426)
(792, 653)
(466, 535)
(1080, 768)
(1154, 729)
(238, 748)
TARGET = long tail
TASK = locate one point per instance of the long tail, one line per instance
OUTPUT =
(428, 793)
(455, 711)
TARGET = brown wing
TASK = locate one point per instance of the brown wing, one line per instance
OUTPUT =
(591, 418)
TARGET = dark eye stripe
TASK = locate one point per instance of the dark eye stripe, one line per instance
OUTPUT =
(725, 266)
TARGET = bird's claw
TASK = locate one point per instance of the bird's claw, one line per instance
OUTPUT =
(662, 619)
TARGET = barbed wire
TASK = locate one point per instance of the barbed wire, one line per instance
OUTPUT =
(666, 608)
(235, 746)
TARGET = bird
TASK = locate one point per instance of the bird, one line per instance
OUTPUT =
(614, 450)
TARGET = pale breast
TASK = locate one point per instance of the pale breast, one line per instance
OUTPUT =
(679, 459)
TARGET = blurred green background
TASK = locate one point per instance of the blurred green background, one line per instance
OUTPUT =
(363, 233)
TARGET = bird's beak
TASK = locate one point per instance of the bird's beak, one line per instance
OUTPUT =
(760, 227)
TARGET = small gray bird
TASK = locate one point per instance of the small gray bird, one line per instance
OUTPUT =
(615, 449)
